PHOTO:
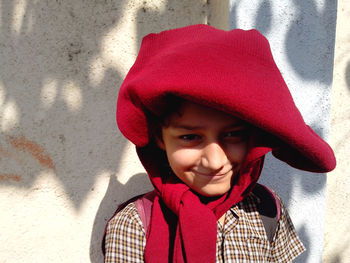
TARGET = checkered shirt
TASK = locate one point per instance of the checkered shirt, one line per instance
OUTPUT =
(241, 239)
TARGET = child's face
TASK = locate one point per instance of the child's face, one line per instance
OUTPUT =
(205, 147)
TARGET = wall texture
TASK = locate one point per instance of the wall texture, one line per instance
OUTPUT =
(64, 166)
(301, 34)
(337, 228)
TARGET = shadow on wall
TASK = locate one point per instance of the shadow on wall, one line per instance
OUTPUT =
(263, 20)
(312, 32)
(347, 75)
(277, 174)
(58, 93)
(116, 193)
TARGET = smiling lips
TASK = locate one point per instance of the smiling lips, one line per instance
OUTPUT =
(212, 175)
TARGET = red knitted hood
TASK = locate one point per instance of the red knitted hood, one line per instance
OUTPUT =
(232, 71)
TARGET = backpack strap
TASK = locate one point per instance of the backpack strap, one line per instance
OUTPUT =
(144, 208)
(269, 209)
(120, 207)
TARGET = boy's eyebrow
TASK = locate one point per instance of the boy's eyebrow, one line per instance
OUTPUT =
(192, 127)
(186, 127)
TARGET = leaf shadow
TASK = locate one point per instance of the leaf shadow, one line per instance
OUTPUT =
(41, 58)
(116, 194)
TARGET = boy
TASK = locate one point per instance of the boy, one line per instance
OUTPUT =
(203, 106)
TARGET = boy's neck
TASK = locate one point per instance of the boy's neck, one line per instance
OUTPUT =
(222, 219)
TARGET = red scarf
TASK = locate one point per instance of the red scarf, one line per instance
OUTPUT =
(183, 225)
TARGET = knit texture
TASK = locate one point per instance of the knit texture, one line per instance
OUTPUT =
(232, 71)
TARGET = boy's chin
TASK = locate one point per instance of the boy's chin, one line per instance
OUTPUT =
(213, 191)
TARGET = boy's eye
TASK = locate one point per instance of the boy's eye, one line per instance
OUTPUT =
(236, 134)
(189, 137)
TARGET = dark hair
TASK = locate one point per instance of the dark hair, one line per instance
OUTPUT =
(170, 104)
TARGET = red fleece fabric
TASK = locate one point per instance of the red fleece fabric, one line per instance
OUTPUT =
(232, 71)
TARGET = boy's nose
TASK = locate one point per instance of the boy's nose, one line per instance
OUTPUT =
(213, 157)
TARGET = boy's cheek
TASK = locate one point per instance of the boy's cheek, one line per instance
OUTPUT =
(237, 154)
(183, 158)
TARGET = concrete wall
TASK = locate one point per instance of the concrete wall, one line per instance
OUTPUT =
(337, 228)
(64, 166)
(302, 35)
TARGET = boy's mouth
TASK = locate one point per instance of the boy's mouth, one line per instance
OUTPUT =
(213, 175)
